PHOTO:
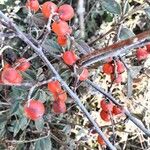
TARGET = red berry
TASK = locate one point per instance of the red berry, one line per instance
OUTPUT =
(34, 110)
(120, 67)
(66, 12)
(60, 95)
(116, 110)
(54, 86)
(105, 116)
(62, 40)
(33, 5)
(69, 57)
(59, 107)
(148, 48)
(11, 76)
(141, 54)
(108, 68)
(116, 80)
(84, 74)
(23, 64)
(61, 28)
(48, 7)
(100, 140)
(106, 105)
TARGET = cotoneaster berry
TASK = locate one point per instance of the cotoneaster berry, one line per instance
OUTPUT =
(69, 57)
(117, 79)
(84, 74)
(66, 12)
(141, 54)
(59, 107)
(23, 64)
(106, 105)
(35, 110)
(60, 95)
(105, 116)
(108, 68)
(54, 86)
(33, 5)
(48, 7)
(11, 76)
(62, 40)
(100, 140)
(116, 110)
(148, 48)
(61, 28)
(120, 67)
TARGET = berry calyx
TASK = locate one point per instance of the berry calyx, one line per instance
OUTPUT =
(61, 28)
(62, 40)
(141, 54)
(54, 86)
(84, 74)
(120, 67)
(106, 105)
(66, 12)
(33, 5)
(59, 107)
(23, 64)
(11, 76)
(48, 8)
(61, 95)
(69, 57)
(34, 110)
(100, 140)
(116, 110)
(117, 79)
(105, 116)
(108, 68)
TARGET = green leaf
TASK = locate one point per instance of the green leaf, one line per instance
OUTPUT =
(111, 6)
(39, 124)
(40, 94)
(43, 144)
(125, 33)
(14, 108)
(147, 11)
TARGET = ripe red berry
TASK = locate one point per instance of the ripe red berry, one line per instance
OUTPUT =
(148, 48)
(106, 105)
(141, 53)
(69, 57)
(62, 40)
(60, 95)
(108, 68)
(0, 79)
(61, 28)
(100, 140)
(120, 67)
(59, 107)
(11, 76)
(66, 12)
(33, 5)
(116, 110)
(105, 116)
(54, 86)
(48, 7)
(23, 64)
(116, 80)
(34, 110)
(84, 74)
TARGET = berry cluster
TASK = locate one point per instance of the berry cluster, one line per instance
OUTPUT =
(114, 69)
(11, 73)
(107, 108)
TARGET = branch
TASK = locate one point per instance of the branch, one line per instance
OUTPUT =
(40, 53)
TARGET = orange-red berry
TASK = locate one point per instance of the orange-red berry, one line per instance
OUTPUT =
(141, 54)
(108, 68)
(105, 116)
(66, 12)
(61, 28)
(118, 79)
(62, 40)
(11, 76)
(23, 64)
(84, 74)
(148, 48)
(33, 5)
(116, 110)
(69, 57)
(59, 107)
(60, 95)
(106, 105)
(120, 66)
(48, 8)
(100, 140)
(34, 110)
(54, 86)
